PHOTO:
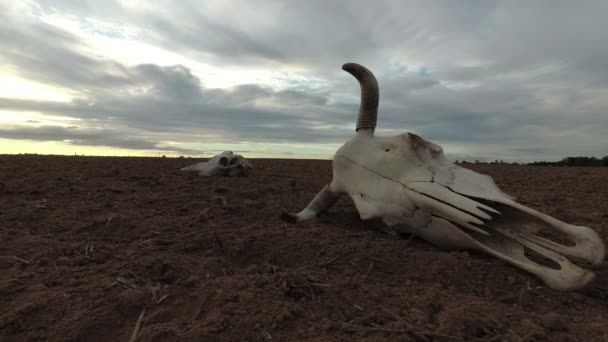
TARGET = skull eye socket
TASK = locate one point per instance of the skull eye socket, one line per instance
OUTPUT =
(233, 161)
(223, 161)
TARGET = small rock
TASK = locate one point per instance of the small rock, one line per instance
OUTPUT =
(221, 190)
(231, 308)
(79, 261)
(260, 282)
(75, 282)
(37, 288)
(553, 321)
(100, 256)
(10, 286)
(130, 300)
(247, 296)
(221, 201)
(213, 317)
(191, 281)
(240, 285)
(577, 297)
(326, 324)
(178, 301)
(169, 275)
(284, 315)
(63, 261)
(146, 182)
(251, 269)
(296, 310)
(6, 262)
(203, 216)
(161, 316)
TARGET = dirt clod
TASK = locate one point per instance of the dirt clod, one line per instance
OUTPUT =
(6, 262)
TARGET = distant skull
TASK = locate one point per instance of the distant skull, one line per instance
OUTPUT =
(225, 164)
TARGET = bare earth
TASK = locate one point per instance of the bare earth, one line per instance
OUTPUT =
(88, 245)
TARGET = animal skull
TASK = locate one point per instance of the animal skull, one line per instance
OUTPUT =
(408, 183)
(225, 164)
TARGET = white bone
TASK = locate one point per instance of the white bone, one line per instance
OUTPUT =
(225, 164)
(408, 183)
(323, 200)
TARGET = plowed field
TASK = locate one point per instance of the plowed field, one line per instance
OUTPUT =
(88, 245)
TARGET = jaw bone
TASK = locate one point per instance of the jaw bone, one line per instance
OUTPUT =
(408, 183)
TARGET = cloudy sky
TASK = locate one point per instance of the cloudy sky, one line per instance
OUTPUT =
(512, 80)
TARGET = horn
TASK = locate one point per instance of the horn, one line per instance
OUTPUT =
(370, 96)
(319, 204)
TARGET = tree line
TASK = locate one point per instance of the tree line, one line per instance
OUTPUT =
(574, 161)
(568, 161)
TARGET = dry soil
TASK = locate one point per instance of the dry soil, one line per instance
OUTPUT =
(88, 245)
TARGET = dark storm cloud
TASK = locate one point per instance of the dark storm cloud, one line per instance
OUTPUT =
(503, 36)
(510, 73)
(153, 98)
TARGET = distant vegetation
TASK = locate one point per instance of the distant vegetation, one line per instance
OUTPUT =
(568, 161)
(575, 161)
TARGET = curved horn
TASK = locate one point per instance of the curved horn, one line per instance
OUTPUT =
(370, 96)
(322, 201)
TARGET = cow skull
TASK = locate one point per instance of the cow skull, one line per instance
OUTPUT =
(408, 183)
(225, 164)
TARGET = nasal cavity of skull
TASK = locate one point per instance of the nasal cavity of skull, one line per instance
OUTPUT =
(556, 236)
(541, 259)
(390, 147)
(527, 223)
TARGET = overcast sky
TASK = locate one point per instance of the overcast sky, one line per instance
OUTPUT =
(512, 80)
